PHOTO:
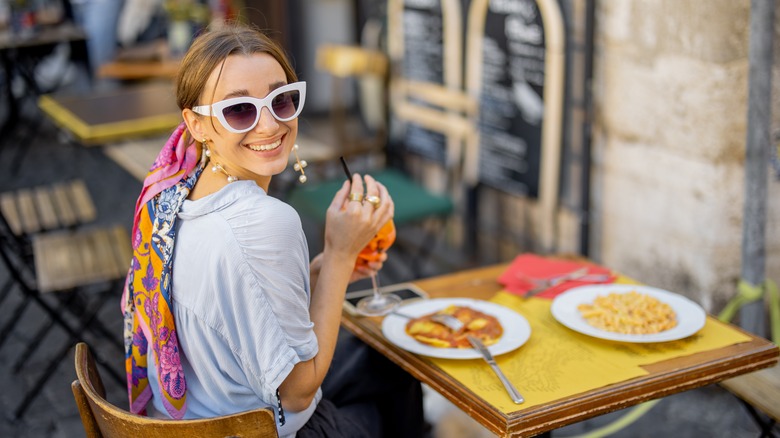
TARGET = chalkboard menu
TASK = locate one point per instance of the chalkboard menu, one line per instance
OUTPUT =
(423, 61)
(511, 105)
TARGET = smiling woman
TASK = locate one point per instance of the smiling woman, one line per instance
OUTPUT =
(224, 310)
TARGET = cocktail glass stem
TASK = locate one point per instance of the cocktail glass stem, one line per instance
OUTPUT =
(378, 303)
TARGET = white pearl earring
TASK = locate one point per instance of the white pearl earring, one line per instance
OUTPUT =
(299, 165)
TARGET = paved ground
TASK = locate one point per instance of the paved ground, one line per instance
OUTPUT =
(706, 412)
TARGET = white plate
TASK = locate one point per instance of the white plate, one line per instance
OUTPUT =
(690, 316)
(516, 328)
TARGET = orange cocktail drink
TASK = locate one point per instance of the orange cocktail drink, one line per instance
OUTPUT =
(378, 245)
(378, 303)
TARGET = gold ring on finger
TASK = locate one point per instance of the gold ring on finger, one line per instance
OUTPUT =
(373, 200)
(357, 197)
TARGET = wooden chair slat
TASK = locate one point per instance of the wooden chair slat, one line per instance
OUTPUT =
(85, 412)
(63, 205)
(10, 211)
(85, 208)
(54, 261)
(122, 249)
(27, 213)
(47, 215)
(759, 389)
(105, 264)
(95, 265)
(90, 263)
(66, 260)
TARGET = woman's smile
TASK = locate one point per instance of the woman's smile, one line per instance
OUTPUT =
(257, 147)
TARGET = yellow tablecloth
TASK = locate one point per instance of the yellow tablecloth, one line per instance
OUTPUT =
(557, 362)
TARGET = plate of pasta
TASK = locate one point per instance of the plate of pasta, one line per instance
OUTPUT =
(628, 313)
(510, 329)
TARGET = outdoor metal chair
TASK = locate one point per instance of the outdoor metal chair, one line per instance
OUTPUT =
(32, 210)
(68, 273)
(103, 419)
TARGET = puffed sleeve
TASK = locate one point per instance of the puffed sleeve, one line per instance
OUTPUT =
(276, 269)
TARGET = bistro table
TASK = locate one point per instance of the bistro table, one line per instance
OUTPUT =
(688, 368)
(115, 114)
(139, 70)
(140, 62)
(20, 55)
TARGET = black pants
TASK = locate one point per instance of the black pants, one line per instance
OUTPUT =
(366, 395)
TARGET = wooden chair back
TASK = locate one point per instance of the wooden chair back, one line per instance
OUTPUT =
(103, 419)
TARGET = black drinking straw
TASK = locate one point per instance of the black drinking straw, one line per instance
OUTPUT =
(346, 168)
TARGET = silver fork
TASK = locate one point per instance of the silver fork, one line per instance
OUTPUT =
(579, 274)
(456, 326)
(547, 282)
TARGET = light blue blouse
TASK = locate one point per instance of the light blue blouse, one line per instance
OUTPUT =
(241, 302)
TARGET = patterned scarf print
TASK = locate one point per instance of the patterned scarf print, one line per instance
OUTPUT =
(146, 300)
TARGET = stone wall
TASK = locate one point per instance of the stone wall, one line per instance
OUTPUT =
(670, 94)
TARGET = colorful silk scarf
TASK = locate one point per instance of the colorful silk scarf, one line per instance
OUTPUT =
(147, 294)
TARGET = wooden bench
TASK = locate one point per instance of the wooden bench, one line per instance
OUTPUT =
(759, 390)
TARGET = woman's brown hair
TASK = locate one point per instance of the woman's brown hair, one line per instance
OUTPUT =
(210, 49)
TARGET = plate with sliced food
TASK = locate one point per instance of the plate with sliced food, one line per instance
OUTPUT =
(628, 313)
(411, 327)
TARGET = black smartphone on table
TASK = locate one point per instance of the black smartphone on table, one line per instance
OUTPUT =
(406, 291)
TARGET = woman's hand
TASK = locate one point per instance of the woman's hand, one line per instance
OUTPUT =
(367, 270)
(351, 221)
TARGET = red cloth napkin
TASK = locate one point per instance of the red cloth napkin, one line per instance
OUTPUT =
(518, 277)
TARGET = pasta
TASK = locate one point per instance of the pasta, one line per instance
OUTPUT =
(629, 313)
(478, 324)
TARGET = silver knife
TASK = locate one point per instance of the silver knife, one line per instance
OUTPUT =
(479, 346)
